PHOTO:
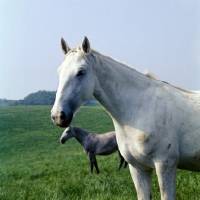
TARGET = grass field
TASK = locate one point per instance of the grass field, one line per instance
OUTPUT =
(35, 166)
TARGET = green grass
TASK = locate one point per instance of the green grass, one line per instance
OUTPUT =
(34, 165)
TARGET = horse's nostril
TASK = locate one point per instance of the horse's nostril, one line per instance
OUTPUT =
(62, 115)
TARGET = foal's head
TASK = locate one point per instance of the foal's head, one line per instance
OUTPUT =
(67, 134)
(76, 83)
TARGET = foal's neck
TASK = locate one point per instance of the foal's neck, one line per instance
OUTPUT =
(80, 134)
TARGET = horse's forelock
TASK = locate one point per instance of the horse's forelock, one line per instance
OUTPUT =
(79, 50)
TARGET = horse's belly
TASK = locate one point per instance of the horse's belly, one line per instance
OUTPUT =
(189, 151)
(191, 165)
(189, 160)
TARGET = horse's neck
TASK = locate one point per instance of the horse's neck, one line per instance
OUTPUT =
(118, 85)
(81, 135)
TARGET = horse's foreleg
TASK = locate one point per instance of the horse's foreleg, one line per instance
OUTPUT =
(166, 173)
(142, 182)
(93, 162)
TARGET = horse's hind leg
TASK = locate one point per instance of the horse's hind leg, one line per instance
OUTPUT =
(142, 182)
(125, 165)
(121, 161)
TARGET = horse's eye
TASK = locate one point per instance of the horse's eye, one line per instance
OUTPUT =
(81, 72)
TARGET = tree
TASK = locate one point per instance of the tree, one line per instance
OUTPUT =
(40, 98)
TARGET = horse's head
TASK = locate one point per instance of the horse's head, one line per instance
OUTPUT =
(76, 83)
(67, 134)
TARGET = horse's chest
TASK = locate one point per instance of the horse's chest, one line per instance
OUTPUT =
(137, 148)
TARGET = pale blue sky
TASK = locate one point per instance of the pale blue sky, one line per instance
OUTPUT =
(161, 36)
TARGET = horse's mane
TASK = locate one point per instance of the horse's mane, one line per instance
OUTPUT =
(146, 73)
(151, 75)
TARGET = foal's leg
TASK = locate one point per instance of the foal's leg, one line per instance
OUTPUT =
(142, 182)
(125, 164)
(96, 165)
(93, 162)
(121, 161)
(166, 173)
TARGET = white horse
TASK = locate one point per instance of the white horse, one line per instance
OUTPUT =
(157, 124)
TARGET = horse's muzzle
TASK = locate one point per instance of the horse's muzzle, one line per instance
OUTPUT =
(62, 140)
(61, 119)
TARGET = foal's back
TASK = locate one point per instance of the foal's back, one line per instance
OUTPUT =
(103, 144)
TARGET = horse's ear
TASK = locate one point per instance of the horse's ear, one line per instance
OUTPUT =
(86, 45)
(64, 46)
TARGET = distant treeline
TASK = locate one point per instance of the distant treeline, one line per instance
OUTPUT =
(40, 98)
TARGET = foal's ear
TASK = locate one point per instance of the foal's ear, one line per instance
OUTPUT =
(64, 46)
(86, 45)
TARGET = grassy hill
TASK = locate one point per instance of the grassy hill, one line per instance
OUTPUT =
(34, 165)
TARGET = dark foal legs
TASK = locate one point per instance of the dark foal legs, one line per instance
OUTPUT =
(96, 166)
(93, 162)
(121, 161)
(125, 164)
